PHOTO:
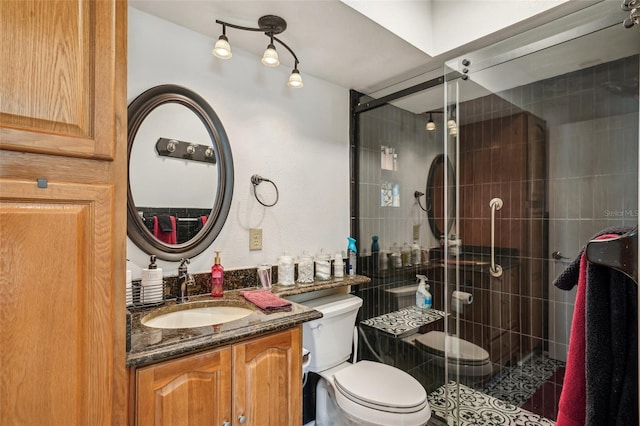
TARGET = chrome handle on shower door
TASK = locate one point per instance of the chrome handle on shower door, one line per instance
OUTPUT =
(495, 270)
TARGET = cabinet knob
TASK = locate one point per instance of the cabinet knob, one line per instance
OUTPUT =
(226, 423)
(242, 419)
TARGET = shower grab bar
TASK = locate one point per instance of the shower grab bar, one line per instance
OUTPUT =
(495, 270)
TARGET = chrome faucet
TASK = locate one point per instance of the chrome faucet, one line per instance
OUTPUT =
(184, 279)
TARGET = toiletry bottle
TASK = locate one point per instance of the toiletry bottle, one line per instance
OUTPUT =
(338, 266)
(415, 254)
(183, 281)
(423, 297)
(352, 250)
(406, 255)
(151, 284)
(217, 277)
(375, 252)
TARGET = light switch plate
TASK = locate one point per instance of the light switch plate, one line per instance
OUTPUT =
(255, 239)
(416, 232)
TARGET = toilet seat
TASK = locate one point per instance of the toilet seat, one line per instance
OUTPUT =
(381, 387)
(458, 350)
(367, 393)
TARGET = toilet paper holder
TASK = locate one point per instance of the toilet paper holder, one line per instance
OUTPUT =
(459, 299)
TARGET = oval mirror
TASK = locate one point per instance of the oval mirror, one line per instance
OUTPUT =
(435, 196)
(180, 173)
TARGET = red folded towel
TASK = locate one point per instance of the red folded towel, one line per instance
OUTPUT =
(264, 299)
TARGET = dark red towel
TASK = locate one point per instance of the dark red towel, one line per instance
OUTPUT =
(167, 237)
(572, 408)
(265, 300)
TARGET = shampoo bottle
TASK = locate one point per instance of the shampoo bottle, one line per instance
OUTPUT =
(423, 297)
(352, 250)
(217, 277)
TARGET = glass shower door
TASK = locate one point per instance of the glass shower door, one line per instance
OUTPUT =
(545, 154)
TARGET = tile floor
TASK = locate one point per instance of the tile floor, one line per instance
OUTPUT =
(479, 409)
(524, 394)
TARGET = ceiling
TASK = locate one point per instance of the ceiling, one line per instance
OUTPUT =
(337, 44)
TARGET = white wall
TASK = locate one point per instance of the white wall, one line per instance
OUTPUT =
(297, 138)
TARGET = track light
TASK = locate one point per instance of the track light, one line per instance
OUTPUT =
(270, 25)
(270, 57)
(295, 79)
(431, 126)
(222, 49)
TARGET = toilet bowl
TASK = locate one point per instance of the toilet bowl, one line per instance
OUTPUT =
(361, 393)
(470, 361)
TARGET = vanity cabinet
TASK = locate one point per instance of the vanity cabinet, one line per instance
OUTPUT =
(63, 212)
(255, 382)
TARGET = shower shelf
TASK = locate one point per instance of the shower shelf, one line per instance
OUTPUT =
(405, 322)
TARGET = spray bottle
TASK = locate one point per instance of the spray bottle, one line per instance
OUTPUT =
(423, 297)
(352, 250)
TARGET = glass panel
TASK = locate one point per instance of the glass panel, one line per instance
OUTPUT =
(546, 132)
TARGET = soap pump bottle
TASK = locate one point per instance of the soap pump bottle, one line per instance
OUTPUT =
(217, 277)
(423, 297)
(352, 250)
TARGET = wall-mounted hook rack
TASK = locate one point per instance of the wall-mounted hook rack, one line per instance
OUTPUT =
(185, 150)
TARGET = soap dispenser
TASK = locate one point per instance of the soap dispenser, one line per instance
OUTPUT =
(151, 284)
(423, 297)
(183, 282)
(217, 277)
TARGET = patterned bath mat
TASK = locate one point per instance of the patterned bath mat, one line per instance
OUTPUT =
(479, 409)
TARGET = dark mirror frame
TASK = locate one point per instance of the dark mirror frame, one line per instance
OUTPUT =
(430, 196)
(137, 111)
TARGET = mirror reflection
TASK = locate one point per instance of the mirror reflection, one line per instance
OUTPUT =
(435, 196)
(168, 186)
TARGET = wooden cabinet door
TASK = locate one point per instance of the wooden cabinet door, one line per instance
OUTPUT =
(59, 343)
(267, 382)
(61, 65)
(193, 390)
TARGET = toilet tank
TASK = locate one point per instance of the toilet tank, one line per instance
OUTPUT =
(329, 338)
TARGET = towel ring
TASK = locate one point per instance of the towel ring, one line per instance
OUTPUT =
(257, 180)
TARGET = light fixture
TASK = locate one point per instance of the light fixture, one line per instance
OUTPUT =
(270, 57)
(222, 49)
(431, 126)
(270, 25)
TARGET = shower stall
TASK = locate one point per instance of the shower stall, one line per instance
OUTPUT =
(498, 169)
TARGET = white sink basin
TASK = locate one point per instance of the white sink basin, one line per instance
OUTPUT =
(196, 317)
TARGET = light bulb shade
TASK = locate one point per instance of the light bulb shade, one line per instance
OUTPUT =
(295, 79)
(453, 131)
(222, 49)
(431, 126)
(270, 57)
(451, 123)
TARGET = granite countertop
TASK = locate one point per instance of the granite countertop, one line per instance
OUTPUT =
(290, 290)
(148, 345)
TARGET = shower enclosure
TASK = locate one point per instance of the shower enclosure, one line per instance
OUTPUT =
(535, 150)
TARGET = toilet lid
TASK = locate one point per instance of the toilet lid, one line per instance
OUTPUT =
(381, 387)
(457, 349)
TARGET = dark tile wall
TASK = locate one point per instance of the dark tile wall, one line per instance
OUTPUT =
(590, 182)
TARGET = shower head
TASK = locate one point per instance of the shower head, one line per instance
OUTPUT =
(418, 194)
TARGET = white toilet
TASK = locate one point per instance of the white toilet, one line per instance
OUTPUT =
(467, 359)
(364, 393)
(470, 361)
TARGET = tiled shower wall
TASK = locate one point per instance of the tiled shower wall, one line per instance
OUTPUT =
(591, 118)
